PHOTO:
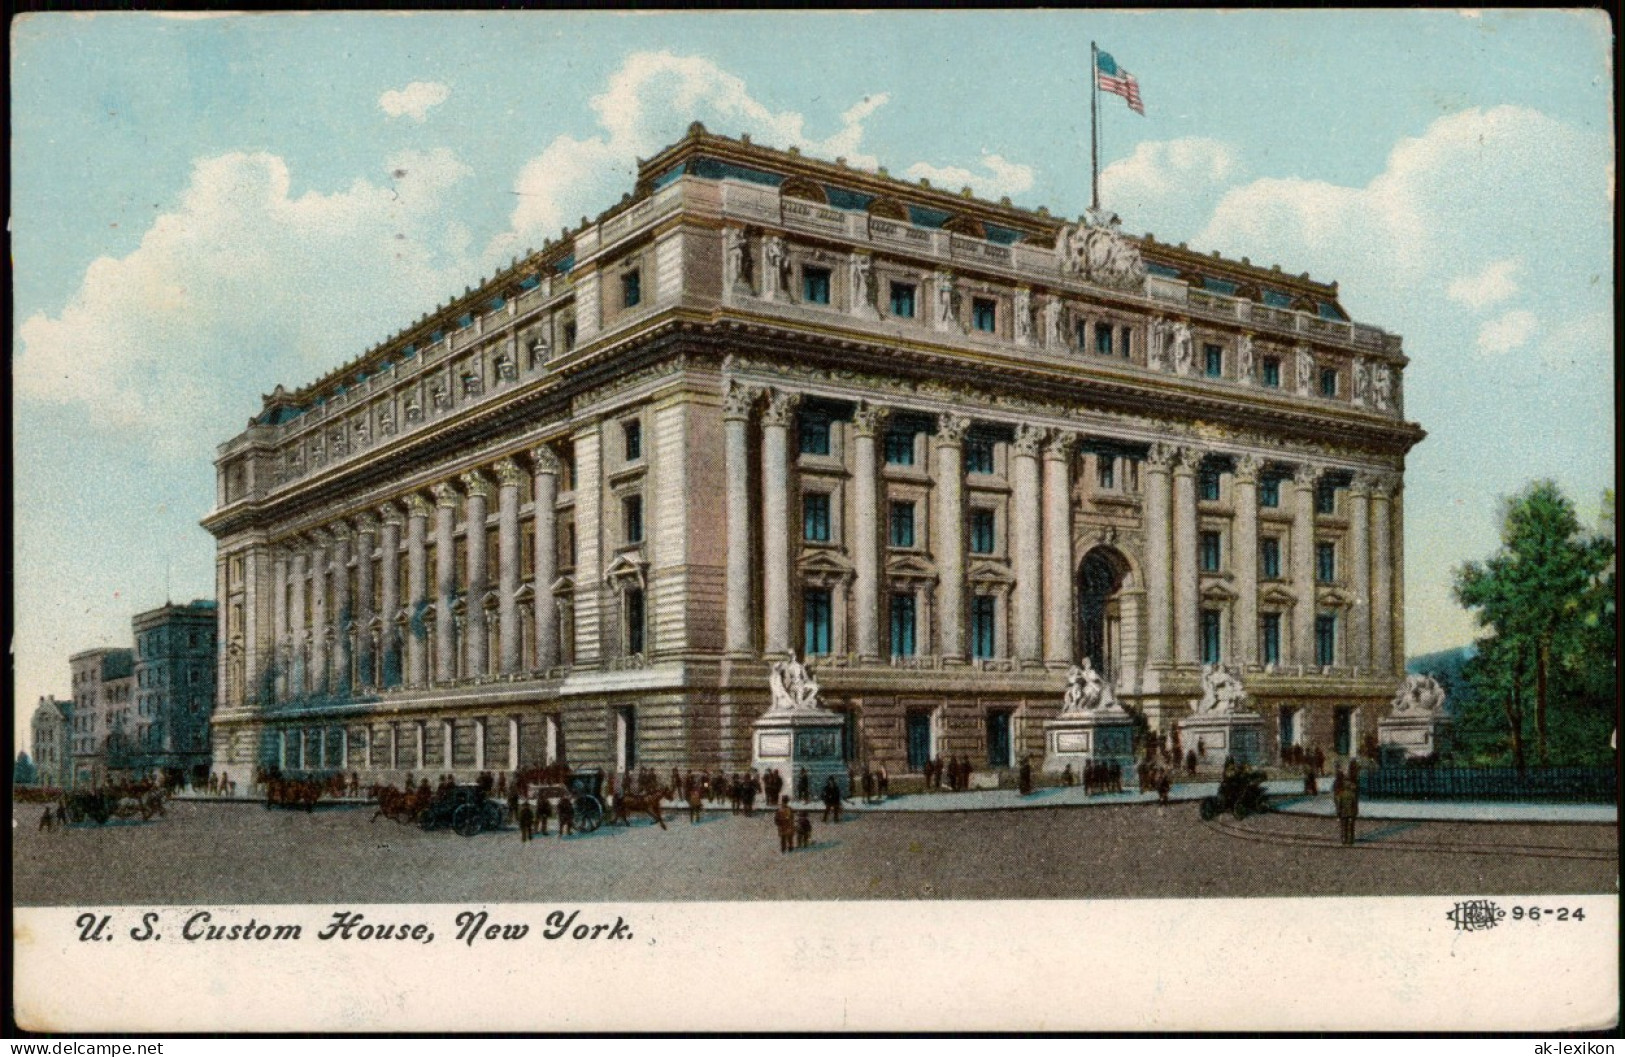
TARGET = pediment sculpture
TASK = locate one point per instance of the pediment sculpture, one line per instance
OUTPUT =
(1097, 252)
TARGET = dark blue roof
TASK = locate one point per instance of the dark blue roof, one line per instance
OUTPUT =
(1219, 286)
(565, 265)
(1331, 311)
(1161, 269)
(711, 169)
(1002, 236)
(922, 217)
(841, 198)
(1276, 299)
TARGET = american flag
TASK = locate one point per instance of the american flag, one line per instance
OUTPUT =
(1114, 79)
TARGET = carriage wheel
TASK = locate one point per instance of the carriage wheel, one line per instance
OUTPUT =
(1209, 808)
(426, 819)
(468, 820)
(589, 814)
(493, 815)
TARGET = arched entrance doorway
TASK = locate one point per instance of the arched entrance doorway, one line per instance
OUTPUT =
(1100, 580)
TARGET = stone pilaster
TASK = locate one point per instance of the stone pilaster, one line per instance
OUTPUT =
(1358, 632)
(1244, 563)
(777, 418)
(949, 537)
(476, 651)
(739, 630)
(868, 422)
(1158, 566)
(1303, 564)
(1187, 603)
(1059, 604)
(1025, 520)
(546, 467)
(508, 639)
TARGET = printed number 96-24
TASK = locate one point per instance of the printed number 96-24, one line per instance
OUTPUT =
(1548, 914)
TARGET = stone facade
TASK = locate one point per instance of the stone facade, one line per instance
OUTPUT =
(941, 448)
(103, 695)
(50, 737)
(175, 677)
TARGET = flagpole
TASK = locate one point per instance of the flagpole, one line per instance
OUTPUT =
(1094, 127)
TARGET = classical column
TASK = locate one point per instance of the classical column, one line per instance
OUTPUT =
(417, 589)
(1359, 572)
(366, 538)
(475, 651)
(445, 583)
(388, 664)
(298, 629)
(1382, 575)
(1025, 519)
(949, 537)
(319, 542)
(508, 478)
(868, 422)
(736, 407)
(338, 681)
(1187, 603)
(1058, 581)
(279, 623)
(1158, 567)
(1244, 553)
(1303, 565)
(776, 419)
(546, 467)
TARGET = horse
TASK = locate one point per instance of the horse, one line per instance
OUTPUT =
(628, 804)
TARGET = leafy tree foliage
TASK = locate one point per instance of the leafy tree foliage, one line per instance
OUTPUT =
(1545, 666)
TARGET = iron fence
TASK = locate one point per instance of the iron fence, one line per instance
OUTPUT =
(1572, 784)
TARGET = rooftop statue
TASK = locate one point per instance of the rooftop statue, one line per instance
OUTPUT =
(1221, 690)
(1096, 251)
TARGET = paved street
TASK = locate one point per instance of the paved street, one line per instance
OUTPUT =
(242, 853)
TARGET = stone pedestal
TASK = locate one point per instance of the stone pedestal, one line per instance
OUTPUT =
(1096, 736)
(1415, 734)
(1216, 735)
(787, 741)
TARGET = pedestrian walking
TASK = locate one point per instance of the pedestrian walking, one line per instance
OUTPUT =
(803, 830)
(784, 820)
(803, 786)
(544, 811)
(1346, 798)
(832, 799)
(883, 783)
(1025, 776)
(527, 821)
(1067, 776)
(567, 817)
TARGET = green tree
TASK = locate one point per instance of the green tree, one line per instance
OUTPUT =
(1545, 599)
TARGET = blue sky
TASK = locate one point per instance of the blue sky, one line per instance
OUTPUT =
(205, 207)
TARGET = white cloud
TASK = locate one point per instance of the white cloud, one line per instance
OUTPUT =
(648, 103)
(1000, 176)
(1585, 344)
(1489, 287)
(240, 286)
(1507, 332)
(414, 100)
(1160, 168)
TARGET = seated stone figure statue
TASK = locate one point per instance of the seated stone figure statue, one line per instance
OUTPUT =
(1421, 695)
(1221, 690)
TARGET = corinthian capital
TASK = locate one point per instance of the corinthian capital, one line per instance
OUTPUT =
(951, 428)
(868, 420)
(477, 485)
(1160, 456)
(1060, 444)
(1248, 468)
(445, 495)
(391, 514)
(1030, 439)
(365, 524)
(417, 506)
(738, 400)
(544, 460)
(781, 408)
(508, 473)
(1306, 475)
(1187, 459)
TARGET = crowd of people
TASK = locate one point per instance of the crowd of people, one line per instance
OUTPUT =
(953, 773)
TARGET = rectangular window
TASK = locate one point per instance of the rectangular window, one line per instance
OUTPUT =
(1213, 360)
(634, 620)
(899, 447)
(1325, 639)
(902, 300)
(1210, 636)
(1325, 498)
(902, 524)
(1272, 372)
(1212, 555)
(1106, 471)
(983, 627)
(1269, 492)
(634, 439)
(1343, 730)
(1103, 339)
(1208, 484)
(632, 518)
(814, 435)
(984, 313)
(1080, 334)
(1325, 561)
(1269, 557)
(902, 625)
(1328, 381)
(631, 289)
(815, 286)
(981, 532)
(978, 454)
(815, 517)
(1127, 343)
(815, 621)
(569, 335)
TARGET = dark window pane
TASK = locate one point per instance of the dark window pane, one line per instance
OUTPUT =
(902, 625)
(631, 289)
(984, 314)
(978, 454)
(634, 440)
(1269, 557)
(902, 300)
(815, 286)
(1210, 636)
(1213, 360)
(902, 524)
(983, 626)
(1272, 372)
(814, 435)
(1210, 552)
(981, 532)
(815, 517)
(899, 448)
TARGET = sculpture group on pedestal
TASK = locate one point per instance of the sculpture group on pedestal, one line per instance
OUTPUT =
(792, 687)
(1088, 691)
(1420, 696)
(1221, 691)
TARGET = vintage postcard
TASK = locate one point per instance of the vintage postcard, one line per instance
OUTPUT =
(919, 520)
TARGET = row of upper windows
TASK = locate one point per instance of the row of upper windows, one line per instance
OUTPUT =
(1209, 490)
(815, 524)
(1269, 638)
(1211, 557)
(1269, 371)
(818, 624)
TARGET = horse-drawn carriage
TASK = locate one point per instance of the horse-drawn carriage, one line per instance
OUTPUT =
(464, 808)
(1241, 792)
(102, 805)
(585, 791)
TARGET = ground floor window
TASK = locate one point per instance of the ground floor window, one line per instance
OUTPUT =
(998, 738)
(1342, 730)
(918, 726)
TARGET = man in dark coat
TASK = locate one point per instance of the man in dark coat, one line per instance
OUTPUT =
(784, 820)
(567, 817)
(1025, 776)
(1347, 798)
(803, 785)
(832, 799)
(527, 820)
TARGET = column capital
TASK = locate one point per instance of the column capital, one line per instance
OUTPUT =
(445, 495)
(366, 523)
(869, 419)
(1060, 445)
(1160, 457)
(417, 506)
(1029, 439)
(1385, 485)
(476, 484)
(1187, 459)
(781, 408)
(1362, 483)
(391, 513)
(1248, 467)
(951, 429)
(1306, 475)
(544, 460)
(341, 532)
(508, 473)
(319, 538)
(738, 400)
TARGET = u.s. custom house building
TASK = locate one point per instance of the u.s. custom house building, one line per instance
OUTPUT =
(941, 448)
